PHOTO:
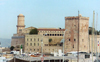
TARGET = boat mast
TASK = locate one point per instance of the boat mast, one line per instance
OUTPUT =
(93, 36)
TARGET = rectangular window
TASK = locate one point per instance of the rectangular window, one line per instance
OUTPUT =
(34, 44)
(46, 44)
(30, 44)
(73, 46)
(38, 44)
(82, 40)
(31, 39)
(37, 49)
(34, 39)
(27, 44)
(38, 39)
(69, 39)
(27, 39)
(34, 49)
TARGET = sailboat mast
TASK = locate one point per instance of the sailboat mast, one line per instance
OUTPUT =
(78, 40)
(96, 37)
(93, 36)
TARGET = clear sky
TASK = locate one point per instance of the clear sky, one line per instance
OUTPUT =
(43, 13)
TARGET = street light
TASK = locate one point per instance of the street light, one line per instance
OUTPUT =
(42, 44)
(63, 44)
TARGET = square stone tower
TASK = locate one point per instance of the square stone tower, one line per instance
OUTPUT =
(71, 35)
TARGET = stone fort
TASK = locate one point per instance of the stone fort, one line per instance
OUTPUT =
(32, 43)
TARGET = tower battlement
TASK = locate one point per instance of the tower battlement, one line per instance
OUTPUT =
(76, 17)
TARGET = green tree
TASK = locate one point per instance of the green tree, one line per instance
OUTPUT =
(90, 32)
(95, 31)
(12, 47)
(50, 40)
(33, 31)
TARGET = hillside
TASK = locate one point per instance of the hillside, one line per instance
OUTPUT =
(5, 42)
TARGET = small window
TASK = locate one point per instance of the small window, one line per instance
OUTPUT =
(34, 49)
(69, 39)
(74, 39)
(75, 25)
(38, 44)
(82, 40)
(31, 39)
(20, 29)
(30, 44)
(38, 39)
(37, 49)
(47, 34)
(34, 39)
(34, 44)
(46, 44)
(27, 44)
(27, 39)
(73, 46)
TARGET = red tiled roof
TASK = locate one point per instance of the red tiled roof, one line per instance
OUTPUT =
(51, 29)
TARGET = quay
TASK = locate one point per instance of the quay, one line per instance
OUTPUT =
(49, 59)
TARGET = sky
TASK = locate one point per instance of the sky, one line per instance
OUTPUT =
(44, 13)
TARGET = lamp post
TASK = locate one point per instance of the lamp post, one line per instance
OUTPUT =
(63, 44)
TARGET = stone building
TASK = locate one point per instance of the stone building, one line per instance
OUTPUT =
(22, 36)
(18, 39)
(33, 43)
(71, 35)
(53, 33)
(96, 41)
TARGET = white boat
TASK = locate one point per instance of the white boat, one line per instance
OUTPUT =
(2, 59)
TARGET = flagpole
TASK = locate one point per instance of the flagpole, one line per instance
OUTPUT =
(98, 51)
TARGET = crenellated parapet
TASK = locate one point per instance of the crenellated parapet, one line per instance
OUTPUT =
(76, 18)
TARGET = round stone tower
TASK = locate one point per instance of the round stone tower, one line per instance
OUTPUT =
(20, 23)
